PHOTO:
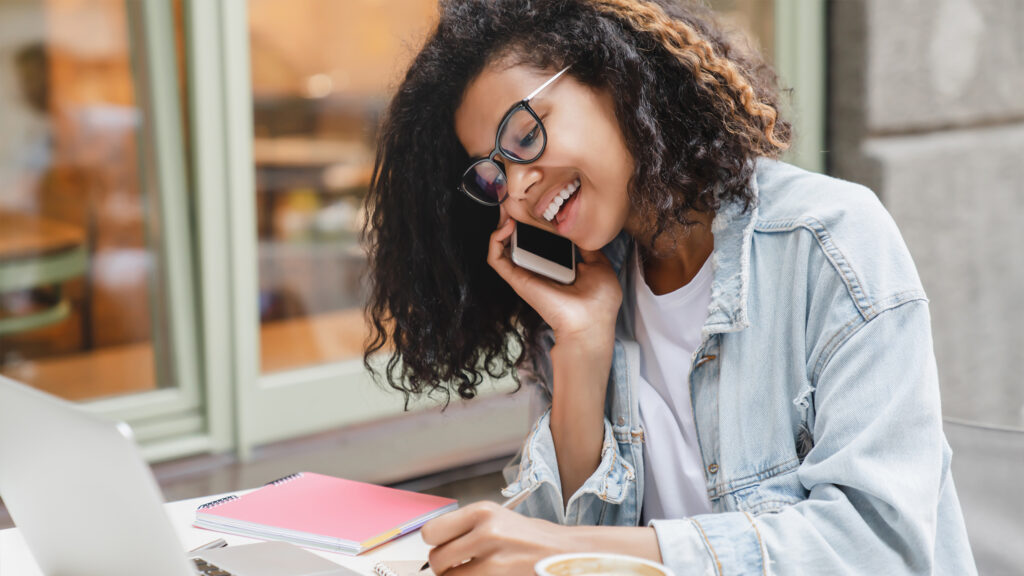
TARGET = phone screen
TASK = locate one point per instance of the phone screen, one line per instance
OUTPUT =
(545, 244)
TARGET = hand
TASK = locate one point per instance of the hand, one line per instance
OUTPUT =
(588, 306)
(484, 538)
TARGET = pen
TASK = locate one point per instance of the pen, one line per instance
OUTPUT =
(510, 504)
(218, 543)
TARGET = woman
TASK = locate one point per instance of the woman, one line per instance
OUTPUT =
(740, 380)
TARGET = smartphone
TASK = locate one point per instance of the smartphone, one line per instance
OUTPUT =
(545, 253)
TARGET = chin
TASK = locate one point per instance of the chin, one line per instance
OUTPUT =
(593, 244)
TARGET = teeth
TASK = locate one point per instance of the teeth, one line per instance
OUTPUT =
(560, 199)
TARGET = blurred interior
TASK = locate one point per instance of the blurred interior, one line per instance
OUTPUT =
(70, 199)
(70, 190)
(317, 100)
(70, 194)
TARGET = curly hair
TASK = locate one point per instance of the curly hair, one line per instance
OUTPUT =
(695, 109)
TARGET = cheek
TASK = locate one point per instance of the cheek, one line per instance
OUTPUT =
(607, 163)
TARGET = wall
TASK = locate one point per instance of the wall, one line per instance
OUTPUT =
(926, 108)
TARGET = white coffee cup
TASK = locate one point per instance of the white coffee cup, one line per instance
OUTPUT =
(598, 565)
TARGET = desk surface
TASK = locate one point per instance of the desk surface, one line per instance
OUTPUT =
(16, 560)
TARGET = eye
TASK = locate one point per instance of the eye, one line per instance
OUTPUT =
(531, 137)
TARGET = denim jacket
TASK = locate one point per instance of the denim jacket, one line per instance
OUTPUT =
(815, 396)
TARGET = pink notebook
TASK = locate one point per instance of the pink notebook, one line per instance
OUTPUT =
(324, 512)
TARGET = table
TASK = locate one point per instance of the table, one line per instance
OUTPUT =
(16, 560)
(36, 251)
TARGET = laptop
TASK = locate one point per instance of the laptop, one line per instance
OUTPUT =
(86, 503)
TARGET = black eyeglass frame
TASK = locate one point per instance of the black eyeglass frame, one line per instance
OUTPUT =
(523, 104)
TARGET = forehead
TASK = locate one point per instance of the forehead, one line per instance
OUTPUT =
(486, 100)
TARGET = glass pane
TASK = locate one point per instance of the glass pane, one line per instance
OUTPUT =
(321, 73)
(77, 295)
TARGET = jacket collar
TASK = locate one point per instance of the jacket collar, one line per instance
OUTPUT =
(733, 228)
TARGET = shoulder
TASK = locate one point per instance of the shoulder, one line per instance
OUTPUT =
(788, 196)
(851, 229)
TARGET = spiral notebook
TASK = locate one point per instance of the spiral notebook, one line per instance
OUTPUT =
(323, 512)
(401, 568)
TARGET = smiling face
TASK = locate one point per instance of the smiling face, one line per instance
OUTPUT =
(584, 145)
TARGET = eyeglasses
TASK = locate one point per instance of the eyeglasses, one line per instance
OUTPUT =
(520, 139)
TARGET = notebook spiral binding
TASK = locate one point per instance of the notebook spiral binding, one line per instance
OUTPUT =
(217, 502)
(285, 479)
(382, 569)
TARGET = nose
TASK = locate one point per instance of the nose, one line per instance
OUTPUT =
(519, 178)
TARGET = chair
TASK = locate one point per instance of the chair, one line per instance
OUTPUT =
(36, 252)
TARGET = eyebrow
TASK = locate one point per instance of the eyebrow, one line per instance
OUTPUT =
(472, 153)
(490, 148)
(528, 98)
(475, 156)
(498, 125)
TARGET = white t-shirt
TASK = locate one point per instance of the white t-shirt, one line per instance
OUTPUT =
(668, 331)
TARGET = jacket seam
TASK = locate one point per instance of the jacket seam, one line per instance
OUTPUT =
(834, 342)
(604, 481)
(897, 299)
(838, 260)
(760, 543)
(827, 355)
(724, 488)
(867, 310)
(772, 505)
(707, 542)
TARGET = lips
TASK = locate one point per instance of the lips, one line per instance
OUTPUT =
(564, 211)
(554, 200)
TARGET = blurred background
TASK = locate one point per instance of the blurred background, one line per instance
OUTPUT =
(180, 200)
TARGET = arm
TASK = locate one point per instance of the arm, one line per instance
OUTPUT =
(582, 318)
(499, 542)
(577, 409)
(877, 478)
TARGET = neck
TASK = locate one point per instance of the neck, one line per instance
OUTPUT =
(678, 255)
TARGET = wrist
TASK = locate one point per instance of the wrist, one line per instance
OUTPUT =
(581, 368)
(594, 343)
(591, 324)
(641, 541)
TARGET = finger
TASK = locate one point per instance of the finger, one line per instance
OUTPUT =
(456, 555)
(528, 285)
(472, 541)
(472, 567)
(498, 258)
(538, 292)
(502, 233)
(448, 527)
